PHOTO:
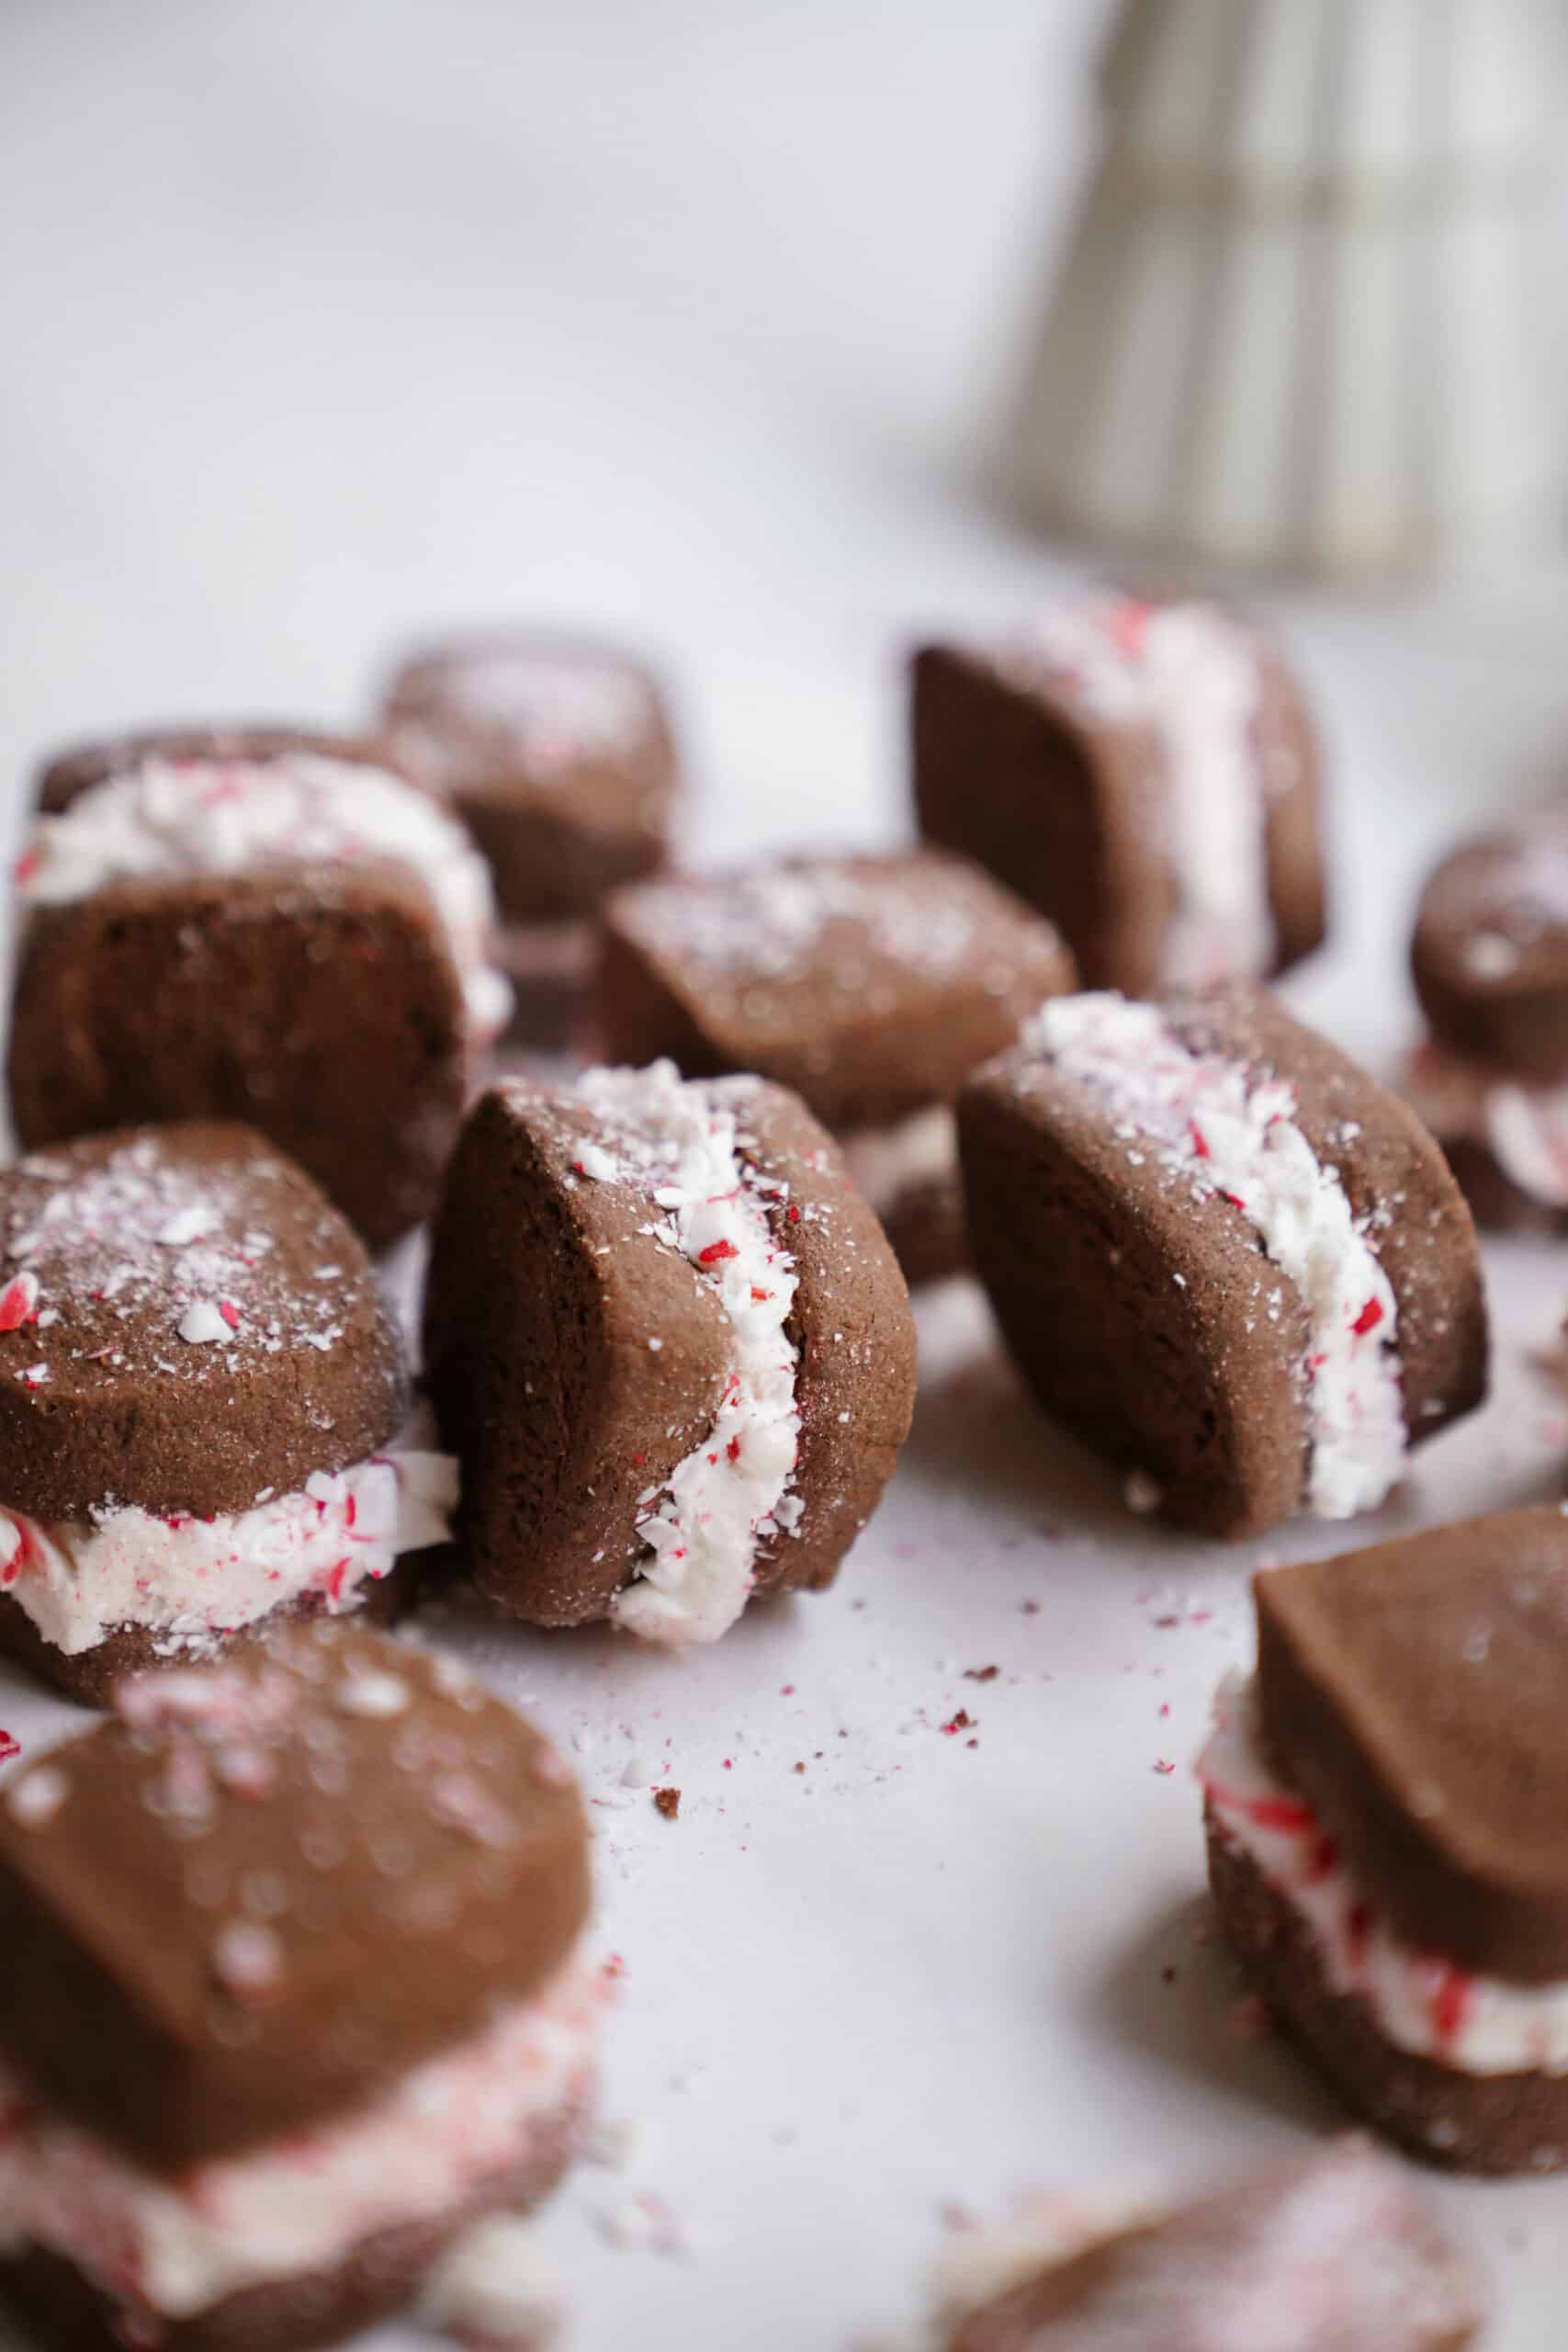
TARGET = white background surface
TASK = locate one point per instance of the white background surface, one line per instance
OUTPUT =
(326, 321)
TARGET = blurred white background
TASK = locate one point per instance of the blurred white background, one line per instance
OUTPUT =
(329, 321)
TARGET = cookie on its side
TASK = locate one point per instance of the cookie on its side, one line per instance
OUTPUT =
(870, 985)
(1383, 1806)
(1490, 961)
(1144, 771)
(559, 758)
(1222, 1253)
(201, 1391)
(297, 1995)
(255, 925)
(670, 1345)
(1332, 2252)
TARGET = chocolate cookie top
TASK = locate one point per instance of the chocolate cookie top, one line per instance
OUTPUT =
(65, 775)
(1414, 1694)
(519, 712)
(1490, 952)
(185, 1323)
(262, 1889)
(871, 985)
(1337, 2253)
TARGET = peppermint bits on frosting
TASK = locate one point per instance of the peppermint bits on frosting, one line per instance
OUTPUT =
(680, 1143)
(1232, 1130)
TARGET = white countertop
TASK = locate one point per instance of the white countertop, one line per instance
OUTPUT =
(334, 319)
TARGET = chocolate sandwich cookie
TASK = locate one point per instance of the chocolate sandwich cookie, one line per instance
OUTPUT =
(671, 1345)
(559, 756)
(257, 925)
(1222, 1253)
(200, 1386)
(295, 1996)
(870, 985)
(1384, 1811)
(1490, 961)
(1144, 771)
(1332, 2252)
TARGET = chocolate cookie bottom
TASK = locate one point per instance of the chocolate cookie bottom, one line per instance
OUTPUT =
(378, 2277)
(1496, 1201)
(1481, 2123)
(925, 1225)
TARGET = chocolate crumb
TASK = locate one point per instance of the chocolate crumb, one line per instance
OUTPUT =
(667, 1801)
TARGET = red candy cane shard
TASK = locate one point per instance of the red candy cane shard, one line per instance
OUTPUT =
(18, 1302)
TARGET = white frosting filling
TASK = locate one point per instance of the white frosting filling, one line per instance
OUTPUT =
(886, 1162)
(1421, 2001)
(216, 816)
(1194, 673)
(678, 1141)
(1524, 1127)
(302, 2202)
(189, 1580)
(491, 2292)
(1231, 1131)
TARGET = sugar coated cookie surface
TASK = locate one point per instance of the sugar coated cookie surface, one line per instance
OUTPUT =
(557, 754)
(872, 985)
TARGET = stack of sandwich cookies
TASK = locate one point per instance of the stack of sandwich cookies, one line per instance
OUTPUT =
(1384, 1813)
(870, 985)
(1222, 1254)
(200, 1395)
(1490, 961)
(1145, 773)
(265, 926)
(1332, 2252)
(670, 1346)
(297, 1996)
(559, 759)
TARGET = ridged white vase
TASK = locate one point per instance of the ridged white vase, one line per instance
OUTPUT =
(1305, 316)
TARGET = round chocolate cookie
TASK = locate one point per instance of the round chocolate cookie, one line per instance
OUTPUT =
(1144, 771)
(261, 925)
(1222, 1254)
(299, 1994)
(1383, 1805)
(557, 753)
(198, 1382)
(1335, 2252)
(1490, 951)
(669, 1343)
(870, 985)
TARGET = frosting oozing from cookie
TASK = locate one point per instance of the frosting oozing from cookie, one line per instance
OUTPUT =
(189, 1580)
(684, 1145)
(1421, 2000)
(1229, 1128)
(301, 2203)
(1192, 671)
